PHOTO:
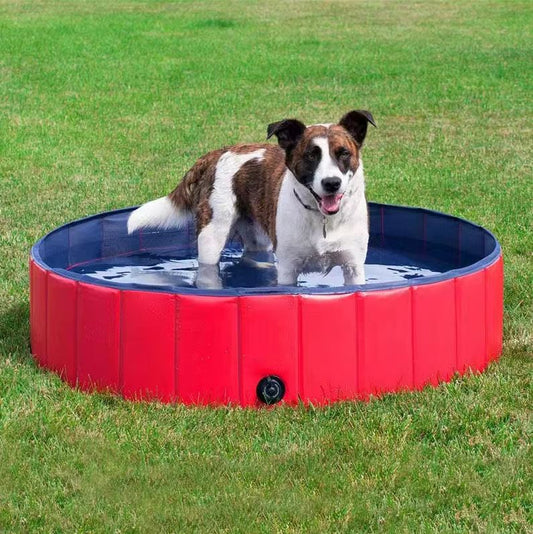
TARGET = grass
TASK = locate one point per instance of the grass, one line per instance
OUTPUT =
(107, 104)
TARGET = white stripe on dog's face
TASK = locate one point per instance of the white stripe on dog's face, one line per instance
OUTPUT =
(328, 168)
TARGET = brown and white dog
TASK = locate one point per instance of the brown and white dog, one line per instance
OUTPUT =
(304, 199)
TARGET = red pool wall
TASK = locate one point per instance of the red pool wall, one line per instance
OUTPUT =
(214, 350)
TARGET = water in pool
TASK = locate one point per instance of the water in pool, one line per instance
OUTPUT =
(383, 264)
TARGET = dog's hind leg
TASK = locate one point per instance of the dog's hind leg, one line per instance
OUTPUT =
(217, 216)
(212, 238)
(254, 238)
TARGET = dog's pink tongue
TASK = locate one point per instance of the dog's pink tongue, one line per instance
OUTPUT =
(331, 203)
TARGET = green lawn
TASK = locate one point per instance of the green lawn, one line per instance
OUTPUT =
(106, 104)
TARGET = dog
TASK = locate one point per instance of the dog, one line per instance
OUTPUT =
(303, 198)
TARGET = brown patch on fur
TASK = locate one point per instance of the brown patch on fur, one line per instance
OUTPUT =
(299, 161)
(247, 148)
(310, 133)
(257, 184)
(193, 192)
(338, 139)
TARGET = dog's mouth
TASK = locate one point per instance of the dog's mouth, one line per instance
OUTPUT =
(328, 204)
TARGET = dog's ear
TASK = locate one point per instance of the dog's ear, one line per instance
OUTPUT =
(288, 132)
(356, 122)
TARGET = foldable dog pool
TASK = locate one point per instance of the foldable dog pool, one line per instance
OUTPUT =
(119, 312)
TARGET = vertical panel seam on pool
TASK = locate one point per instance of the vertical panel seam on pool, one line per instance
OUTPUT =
(456, 323)
(120, 342)
(240, 385)
(76, 330)
(412, 297)
(176, 348)
(357, 348)
(484, 322)
(300, 349)
(45, 356)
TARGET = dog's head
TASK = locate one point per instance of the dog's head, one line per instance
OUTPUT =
(324, 157)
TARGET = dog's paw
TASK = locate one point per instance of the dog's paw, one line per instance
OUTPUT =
(208, 277)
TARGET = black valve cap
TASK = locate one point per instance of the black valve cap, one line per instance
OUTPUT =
(270, 389)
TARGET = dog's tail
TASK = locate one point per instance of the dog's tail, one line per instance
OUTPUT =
(173, 210)
(161, 213)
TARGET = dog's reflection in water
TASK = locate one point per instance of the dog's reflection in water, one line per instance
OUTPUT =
(254, 269)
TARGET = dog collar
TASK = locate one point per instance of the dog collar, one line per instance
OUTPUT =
(306, 206)
(311, 208)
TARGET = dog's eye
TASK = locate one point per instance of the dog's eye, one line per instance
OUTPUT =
(343, 153)
(314, 154)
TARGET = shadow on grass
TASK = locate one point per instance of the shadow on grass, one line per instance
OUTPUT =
(15, 332)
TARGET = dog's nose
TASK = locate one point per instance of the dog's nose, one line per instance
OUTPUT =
(331, 185)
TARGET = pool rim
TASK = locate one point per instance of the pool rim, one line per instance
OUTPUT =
(486, 261)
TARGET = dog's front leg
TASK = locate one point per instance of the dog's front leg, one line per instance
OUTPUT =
(287, 269)
(208, 277)
(287, 275)
(353, 274)
(353, 266)
(352, 260)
